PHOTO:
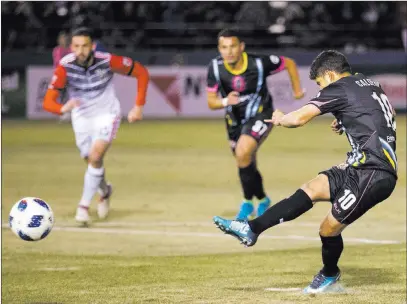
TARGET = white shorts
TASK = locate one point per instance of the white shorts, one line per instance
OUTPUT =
(100, 127)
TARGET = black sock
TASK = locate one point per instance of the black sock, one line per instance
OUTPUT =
(284, 211)
(248, 179)
(259, 190)
(332, 248)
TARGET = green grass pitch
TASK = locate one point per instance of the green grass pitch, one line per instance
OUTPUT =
(159, 245)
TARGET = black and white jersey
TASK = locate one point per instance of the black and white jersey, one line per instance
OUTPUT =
(366, 115)
(250, 82)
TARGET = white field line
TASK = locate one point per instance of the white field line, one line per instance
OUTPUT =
(185, 224)
(59, 269)
(282, 289)
(202, 234)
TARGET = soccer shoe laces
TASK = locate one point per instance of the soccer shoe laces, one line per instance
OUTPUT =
(317, 281)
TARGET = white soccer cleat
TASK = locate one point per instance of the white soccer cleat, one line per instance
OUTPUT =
(104, 203)
(82, 215)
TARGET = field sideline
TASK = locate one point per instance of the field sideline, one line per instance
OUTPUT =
(158, 244)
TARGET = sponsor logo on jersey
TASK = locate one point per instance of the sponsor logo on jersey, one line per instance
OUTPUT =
(126, 61)
(100, 72)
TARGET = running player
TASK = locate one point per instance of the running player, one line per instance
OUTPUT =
(96, 113)
(363, 112)
(240, 78)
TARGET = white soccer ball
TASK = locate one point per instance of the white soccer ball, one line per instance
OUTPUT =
(31, 219)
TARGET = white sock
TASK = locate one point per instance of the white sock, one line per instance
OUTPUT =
(93, 177)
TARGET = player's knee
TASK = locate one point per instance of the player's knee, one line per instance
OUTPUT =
(330, 226)
(96, 163)
(325, 230)
(329, 230)
(95, 159)
(317, 189)
(310, 190)
(243, 156)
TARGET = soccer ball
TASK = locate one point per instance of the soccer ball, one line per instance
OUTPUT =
(31, 219)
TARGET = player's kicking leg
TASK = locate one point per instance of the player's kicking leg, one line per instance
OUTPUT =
(352, 192)
(286, 210)
(253, 134)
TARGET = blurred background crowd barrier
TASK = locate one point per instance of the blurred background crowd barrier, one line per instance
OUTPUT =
(177, 40)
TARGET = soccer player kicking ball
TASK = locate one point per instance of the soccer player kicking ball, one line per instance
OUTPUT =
(363, 112)
(240, 78)
(96, 113)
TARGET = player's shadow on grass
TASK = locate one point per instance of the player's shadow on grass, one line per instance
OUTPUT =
(353, 276)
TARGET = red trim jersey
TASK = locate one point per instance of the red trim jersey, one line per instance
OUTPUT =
(93, 86)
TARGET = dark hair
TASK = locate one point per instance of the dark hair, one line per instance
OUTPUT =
(329, 61)
(83, 31)
(230, 33)
(61, 33)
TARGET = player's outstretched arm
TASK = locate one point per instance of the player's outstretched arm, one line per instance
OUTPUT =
(296, 118)
(292, 70)
(126, 66)
(215, 103)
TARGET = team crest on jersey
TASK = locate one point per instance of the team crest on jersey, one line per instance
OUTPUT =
(238, 84)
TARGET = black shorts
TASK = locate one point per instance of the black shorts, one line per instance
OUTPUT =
(255, 127)
(355, 191)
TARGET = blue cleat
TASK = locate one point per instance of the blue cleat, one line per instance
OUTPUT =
(246, 210)
(321, 283)
(264, 204)
(238, 229)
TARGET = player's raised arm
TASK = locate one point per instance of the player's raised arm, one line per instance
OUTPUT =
(58, 82)
(126, 66)
(292, 70)
(274, 64)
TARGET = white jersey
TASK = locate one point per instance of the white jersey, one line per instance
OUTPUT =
(98, 115)
(92, 86)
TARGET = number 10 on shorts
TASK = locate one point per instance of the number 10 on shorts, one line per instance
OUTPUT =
(347, 200)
